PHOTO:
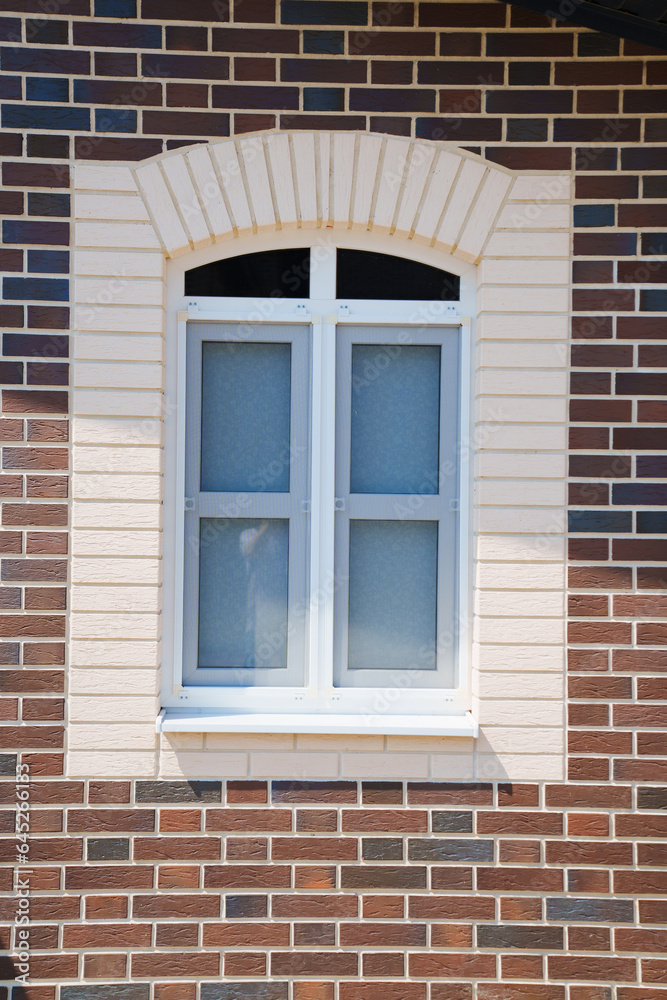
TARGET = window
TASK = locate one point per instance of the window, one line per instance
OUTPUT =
(322, 550)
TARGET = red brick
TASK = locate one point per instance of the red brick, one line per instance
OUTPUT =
(241, 935)
(452, 964)
(169, 964)
(125, 935)
(392, 821)
(180, 905)
(106, 907)
(306, 906)
(382, 991)
(249, 820)
(177, 848)
(247, 877)
(590, 967)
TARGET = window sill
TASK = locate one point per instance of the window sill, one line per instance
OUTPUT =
(189, 721)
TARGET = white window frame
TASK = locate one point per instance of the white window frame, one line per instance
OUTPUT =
(316, 707)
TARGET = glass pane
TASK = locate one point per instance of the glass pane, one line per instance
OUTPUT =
(281, 273)
(395, 418)
(393, 582)
(361, 274)
(245, 424)
(243, 592)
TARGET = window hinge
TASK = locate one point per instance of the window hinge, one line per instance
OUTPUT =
(339, 503)
(193, 308)
(305, 506)
(454, 505)
(343, 312)
(189, 503)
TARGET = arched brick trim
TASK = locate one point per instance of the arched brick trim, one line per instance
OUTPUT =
(441, 200)
(445, 198)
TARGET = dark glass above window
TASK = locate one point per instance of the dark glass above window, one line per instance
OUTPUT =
(282, 274)
(364, 275)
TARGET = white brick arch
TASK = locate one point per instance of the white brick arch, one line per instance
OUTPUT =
(409, 188)
(440, 203)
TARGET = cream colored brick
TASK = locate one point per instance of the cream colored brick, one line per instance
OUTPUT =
(129, 460)
(154, 188)
(185, 196)
(280, 164)
(515, 603)
(103, 178)
(119, 291)
(117, 375)
(88, 625)
(517, 492)
(452, 767)
(116, 599)
(91, 570)
(466, 190)
(293, 765)
(103, 680)
(446, 168)
(520, 576)
(249, 741)
(338, 743)
(181, 741)
(481, 219)
(362, 195)
(110, 207)
(517, 437)
(540, 631)
(520, 767)
(258, 184)
(492, 354)
(521, 520)
(533, 272)
(520, 409)
(88, 486)
(532, 713)
(534, 299)
(108, 430)
(542, 187)
(203, 764)
(517, 326)
(429, 744)
(117, 402)
(550, 547)
(499, 382)
(116, 543)
(528, 244)
(124, 764)
(119, 263)
(384, 765)
(97, 347)
(415, 179)
(122, 235)
(516, 659)
(91, 708)
(116, 515)
(545, 685)
(128, 736)
(119, 319)
(547, 215)
(518, 464)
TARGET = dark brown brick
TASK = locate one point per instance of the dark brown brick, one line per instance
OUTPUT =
(259, 40)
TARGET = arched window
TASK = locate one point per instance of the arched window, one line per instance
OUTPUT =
(323, 556)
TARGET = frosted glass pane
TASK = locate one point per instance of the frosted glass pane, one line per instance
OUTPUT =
(245, 426)
(243, 592)
(395, 418)
(393, 581)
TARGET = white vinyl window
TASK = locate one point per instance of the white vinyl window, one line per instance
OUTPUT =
(321, 555)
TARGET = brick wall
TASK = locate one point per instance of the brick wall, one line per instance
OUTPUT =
(534, 892)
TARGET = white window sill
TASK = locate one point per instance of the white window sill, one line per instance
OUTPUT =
(201, 721)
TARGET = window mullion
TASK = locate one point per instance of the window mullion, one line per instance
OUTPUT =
(322, 581)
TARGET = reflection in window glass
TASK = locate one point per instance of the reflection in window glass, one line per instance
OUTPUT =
(243, 592)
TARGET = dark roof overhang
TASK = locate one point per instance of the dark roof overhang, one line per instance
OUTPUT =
(642, 21)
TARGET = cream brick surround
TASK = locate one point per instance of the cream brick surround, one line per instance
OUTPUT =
(515, 227)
